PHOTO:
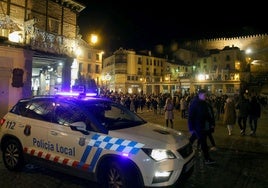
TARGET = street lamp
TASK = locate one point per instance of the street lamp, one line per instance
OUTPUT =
(93, 39)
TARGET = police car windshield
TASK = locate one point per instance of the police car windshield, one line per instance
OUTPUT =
(113, 116)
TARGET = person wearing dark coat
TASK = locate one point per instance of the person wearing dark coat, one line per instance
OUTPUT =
(243, 113)
(199, 122)
(254, 114)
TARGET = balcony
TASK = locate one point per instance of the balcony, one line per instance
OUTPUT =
(27, 35)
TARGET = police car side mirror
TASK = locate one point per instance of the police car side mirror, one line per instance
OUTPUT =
(79, 126)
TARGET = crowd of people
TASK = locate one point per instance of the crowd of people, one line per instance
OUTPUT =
(201, 110)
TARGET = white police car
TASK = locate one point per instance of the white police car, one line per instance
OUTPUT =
(96, 139)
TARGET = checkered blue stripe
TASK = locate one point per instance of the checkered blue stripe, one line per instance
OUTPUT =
(115, 144)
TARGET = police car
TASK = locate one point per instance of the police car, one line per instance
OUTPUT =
(94, 138)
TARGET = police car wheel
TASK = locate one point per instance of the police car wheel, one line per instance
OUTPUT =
(13, 155)
(117, 176)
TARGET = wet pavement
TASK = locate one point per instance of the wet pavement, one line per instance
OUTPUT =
(241, 162)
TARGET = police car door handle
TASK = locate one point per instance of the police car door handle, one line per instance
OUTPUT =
(54, 133)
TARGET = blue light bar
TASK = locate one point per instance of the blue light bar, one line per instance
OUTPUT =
(91, 94)
(76, 94)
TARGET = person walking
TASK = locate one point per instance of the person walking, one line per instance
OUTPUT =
(254, 115)
(212, 125)
(211, 128)
(183, 107)
(154, 104)
(199, 122)
(169, 115)
(243, 112)
(229, 116)
(161, 104)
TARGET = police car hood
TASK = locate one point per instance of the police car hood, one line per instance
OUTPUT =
(153, 136)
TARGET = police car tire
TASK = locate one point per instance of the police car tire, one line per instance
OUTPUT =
(117, 175)
(13, 155)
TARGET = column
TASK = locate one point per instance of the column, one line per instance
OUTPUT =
(66, 74)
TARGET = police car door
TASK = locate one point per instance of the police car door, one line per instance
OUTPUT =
(69, 136)
(36, 121)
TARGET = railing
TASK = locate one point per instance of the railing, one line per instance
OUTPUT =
(40, 40)
(48, 42)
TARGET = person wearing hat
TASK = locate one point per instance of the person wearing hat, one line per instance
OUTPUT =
(200, 121)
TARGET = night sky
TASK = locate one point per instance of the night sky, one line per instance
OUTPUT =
(141, 24)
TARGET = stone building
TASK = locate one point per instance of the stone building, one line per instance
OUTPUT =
(220, 71)
(128, 71)
(39, 45)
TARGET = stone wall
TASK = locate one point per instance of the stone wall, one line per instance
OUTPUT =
(257, 41)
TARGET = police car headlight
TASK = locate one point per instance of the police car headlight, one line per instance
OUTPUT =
(159, 154)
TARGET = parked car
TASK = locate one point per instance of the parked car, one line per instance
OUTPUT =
(94, 138)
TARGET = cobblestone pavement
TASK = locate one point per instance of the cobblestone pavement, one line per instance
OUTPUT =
(241, 162)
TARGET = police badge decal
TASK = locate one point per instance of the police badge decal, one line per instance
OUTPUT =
(27, 130)
(82, 141)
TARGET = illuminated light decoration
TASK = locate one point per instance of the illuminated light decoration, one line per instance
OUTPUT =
(78, 51)
(248, 51)
(59, 80)
(15, 37)
(236, 76)
(201, 77)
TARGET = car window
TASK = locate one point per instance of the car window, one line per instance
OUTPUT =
(39, 109)
(20, 107)
(113, 116)
(66, 114)
(69, 113)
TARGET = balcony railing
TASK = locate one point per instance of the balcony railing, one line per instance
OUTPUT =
(38, 39)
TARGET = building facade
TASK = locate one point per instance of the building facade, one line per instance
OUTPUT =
(40, 49)
(220, 71)
(129, 72)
